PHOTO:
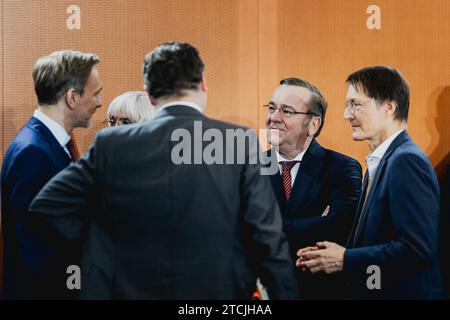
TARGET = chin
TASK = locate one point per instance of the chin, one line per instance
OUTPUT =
(357, 136)
(273, 143)
(274, 140)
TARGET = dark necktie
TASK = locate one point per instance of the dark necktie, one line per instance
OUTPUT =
(363, 204)
(286, 167)
(73, 150)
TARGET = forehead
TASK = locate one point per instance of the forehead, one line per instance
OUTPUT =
(93, 79)
(291, 95)
(355, 93)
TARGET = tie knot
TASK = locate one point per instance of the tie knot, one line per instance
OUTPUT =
(287, 165)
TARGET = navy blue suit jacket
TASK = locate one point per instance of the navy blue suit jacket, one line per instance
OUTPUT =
(33, 266)
(325, 177)
(398, 229)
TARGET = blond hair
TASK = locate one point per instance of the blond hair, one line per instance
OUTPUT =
(55, 74)
(135, 105)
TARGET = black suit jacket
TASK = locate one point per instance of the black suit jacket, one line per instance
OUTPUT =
(325, 177)
(167, 231)
(35, 262)
(399, 228)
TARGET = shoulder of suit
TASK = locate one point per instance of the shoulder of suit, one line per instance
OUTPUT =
(224, 125)
(408, 151)
(27, 138)
(139, 128)
(21, 152)
(115, 132)
(340, 158)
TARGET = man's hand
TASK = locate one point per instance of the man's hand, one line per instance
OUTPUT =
(325, 257)
(302, 251)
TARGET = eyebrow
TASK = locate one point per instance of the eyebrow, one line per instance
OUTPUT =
(283, 105)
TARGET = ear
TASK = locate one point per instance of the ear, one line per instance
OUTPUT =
(153, 101)
(203, 86)
(71, 98)
(314, 125)
(390, 108)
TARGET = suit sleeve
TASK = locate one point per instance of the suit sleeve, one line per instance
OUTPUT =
(31, 168)
(414, 207)
(343, 200)
(62, 201)
(266, 244)
(29, 172)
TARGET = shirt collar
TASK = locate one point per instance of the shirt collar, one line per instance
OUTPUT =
(299, 157)
(379, 152)
(55, 128)
(184, 103)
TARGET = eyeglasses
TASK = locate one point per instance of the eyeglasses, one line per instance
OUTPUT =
(354, 106)
(285, 111)
(119, 122)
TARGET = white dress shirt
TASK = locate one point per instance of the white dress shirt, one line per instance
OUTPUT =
(55, 128)
(295, 168)
(374, 158)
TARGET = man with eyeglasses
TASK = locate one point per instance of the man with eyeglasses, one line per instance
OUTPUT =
(164, 229)
(317, 189)
(392, 251)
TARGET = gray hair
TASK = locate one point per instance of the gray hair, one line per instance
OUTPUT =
(317, 103)
(135, 105)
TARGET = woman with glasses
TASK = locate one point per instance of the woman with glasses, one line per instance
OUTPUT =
(130, 107)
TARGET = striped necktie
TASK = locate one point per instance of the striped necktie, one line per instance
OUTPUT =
(286, 167)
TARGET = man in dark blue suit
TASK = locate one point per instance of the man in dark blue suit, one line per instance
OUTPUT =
(392, 251)
(68, 90)
(317, 189)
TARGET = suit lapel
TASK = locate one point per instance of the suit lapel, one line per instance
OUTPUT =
(351, 239)
(378, 175)
(310, 167)
(402, 138)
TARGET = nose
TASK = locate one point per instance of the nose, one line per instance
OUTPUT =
(275, 116)
(347, 114)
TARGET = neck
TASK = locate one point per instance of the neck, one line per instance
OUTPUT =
(57, 113)
(291, 153)
(378, 139)
(189, 96)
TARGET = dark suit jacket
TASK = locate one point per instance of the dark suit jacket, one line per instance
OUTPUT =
(166, 231)
(399, 227)
(444, 248)
(34, 267)
(325, 177)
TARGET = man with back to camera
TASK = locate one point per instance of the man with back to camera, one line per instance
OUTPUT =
(166, 230)
(68, 89)
(396, 228)
(317, 188)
